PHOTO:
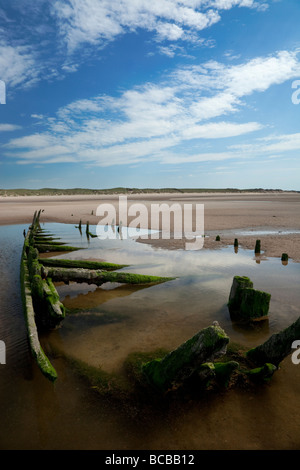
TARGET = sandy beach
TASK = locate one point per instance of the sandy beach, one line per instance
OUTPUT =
(264, 418)
(272, 217)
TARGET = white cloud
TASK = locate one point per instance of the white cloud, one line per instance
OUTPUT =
(239, 80)
(219, 130)
(38, 141)
(227, 4)
(260, 73)
(18, 65)
(173, 158)
(152, 121)
(271, 144)
(9, 127)
(99, 21)
(64, 26)
(169, 31)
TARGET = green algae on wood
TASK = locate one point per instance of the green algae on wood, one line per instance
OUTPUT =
(44, 291)
(44, 248)
(41, 359)
(92, 235)
(257, 247)
(52, 310)
(48, 308)
(99, 277)
(263, 373)
(245, 302)
(71, 263)
(224, 370)
(39, 239)
(277, 347)
(38, 243)
(180, 364)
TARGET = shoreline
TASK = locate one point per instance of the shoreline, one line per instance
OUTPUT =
(225, 214)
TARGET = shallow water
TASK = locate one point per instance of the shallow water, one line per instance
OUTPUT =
(113, 320)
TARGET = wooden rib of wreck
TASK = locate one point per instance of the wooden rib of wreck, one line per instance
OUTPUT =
(193, 362)
(41, 304)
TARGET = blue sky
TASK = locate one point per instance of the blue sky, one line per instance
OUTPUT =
(150, 93)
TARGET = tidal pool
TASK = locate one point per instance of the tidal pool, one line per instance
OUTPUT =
(108, 323)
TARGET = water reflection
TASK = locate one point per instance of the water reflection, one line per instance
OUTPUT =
(86, 296)
(120, 319)
(107, 324)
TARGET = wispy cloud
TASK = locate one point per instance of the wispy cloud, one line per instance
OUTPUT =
(18, 65)
(99, 21)
(271, 144)
(43, 40)
(9, 127)
(155, 121)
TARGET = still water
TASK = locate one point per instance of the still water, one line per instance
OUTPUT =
(112, 321)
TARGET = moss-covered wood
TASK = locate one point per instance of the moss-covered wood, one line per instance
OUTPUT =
(99, 277)
(246, 303)
(187, 360)
(50, 311)
(257, 247)
(263, 373)
(71, 263)
(46, 248)
(36, 349)
(202, 361)
(42, 306)
(47, 242)
(277, 347)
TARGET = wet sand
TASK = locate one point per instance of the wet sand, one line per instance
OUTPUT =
(273, 217)
(35, 416)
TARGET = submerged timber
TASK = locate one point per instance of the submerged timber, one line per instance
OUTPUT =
(41, 304)
(206, 360)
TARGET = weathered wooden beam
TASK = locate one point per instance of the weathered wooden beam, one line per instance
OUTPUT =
(191, 358)
(73, 263)
(246, 303)
(43, 248)
(99, 277)
(41, 359)
(277, 347)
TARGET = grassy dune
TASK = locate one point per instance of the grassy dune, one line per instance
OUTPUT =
(120, 190)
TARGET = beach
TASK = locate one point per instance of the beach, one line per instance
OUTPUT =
(272, 217)
(109, 324)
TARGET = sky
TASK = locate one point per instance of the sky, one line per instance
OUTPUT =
(150, 94)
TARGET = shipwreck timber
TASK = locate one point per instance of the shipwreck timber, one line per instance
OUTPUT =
(201, 362)
(42, 307)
